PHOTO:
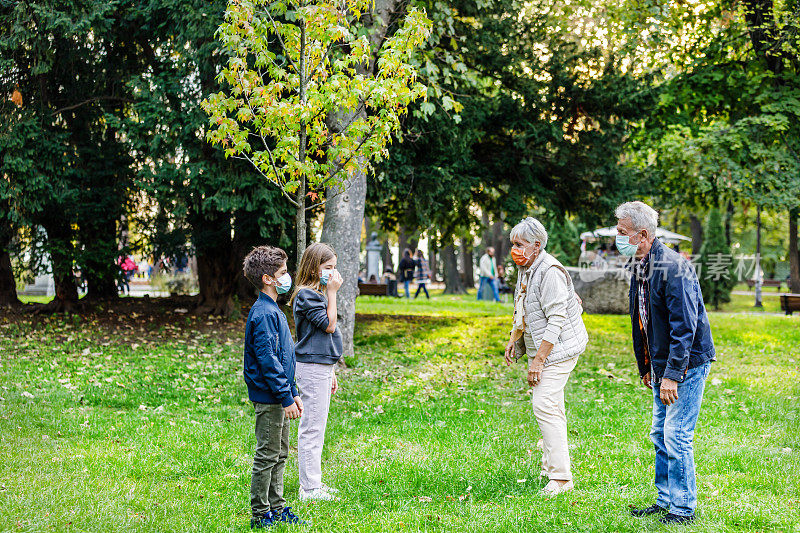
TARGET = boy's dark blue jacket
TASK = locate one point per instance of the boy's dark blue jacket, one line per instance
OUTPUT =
(269, 354)
(678, 332)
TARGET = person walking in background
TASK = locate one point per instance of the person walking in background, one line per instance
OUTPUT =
(318, 349)
(269, 368)
(422, 274)
(674, 350)
(129, 268)
(488, 274)
(548, 328)
(406, 270)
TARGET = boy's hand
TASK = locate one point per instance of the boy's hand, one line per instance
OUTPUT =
(335, 281)
(335, 385)
(299, 403)
(295, 410)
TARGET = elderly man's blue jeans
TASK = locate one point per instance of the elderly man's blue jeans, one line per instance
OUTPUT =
(672, 435)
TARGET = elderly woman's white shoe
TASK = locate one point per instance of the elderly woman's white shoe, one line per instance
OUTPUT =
(554, 488)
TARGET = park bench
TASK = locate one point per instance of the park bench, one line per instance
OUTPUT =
(790, 303)
(764, 283)
(374, 289)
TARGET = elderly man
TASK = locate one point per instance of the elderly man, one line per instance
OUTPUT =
(674, 350)
(488, 274)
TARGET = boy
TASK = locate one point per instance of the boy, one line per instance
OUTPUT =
(269, 364)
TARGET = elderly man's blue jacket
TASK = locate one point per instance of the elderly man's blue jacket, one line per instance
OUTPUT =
(678, 332)
(269, 359)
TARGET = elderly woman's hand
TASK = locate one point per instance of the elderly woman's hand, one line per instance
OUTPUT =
(535, 367)
(511, 351)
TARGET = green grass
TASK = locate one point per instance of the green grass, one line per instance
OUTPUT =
(138, 424)
(35, 299)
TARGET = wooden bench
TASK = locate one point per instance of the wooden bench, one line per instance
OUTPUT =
(790, 303)
(373, 289)
(764, 283)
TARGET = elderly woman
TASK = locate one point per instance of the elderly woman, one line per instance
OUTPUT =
(549, 328)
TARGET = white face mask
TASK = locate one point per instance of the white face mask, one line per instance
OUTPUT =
(325, 275)
(283, 284)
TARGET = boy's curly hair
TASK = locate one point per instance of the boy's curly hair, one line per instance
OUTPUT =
(262, 260)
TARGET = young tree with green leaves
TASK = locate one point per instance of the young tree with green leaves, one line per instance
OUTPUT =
(302, 108)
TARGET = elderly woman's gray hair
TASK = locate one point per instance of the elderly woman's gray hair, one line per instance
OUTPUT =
(642, 216)
(530, 230)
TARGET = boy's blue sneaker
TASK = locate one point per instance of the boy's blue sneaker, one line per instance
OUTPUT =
(263, 521)
(288, 516)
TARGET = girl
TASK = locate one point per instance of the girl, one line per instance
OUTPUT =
(318, 349)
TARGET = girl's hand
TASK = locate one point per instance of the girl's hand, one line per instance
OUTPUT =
(335, 385)
(335, 281)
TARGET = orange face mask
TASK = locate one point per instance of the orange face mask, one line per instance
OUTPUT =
(519, 257)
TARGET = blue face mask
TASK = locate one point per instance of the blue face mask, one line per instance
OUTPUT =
(625, 247)
(324, 276)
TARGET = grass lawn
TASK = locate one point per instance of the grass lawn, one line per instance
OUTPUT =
(139, 423)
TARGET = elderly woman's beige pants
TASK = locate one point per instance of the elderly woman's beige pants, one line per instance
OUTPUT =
(548, 406)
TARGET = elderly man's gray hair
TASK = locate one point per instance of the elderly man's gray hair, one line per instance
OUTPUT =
(642, 216)
(530, 230)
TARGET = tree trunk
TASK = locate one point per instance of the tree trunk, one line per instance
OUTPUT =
(216, 276)
(728, 221)
(59, 244)
(487, 239)
(8, 285)
(468, 262)
(452, 279)
(300, 219)
(794, 258)
(406, 240)
(216, 263)
(759, 277)
(501, 243)
(697, 233)
(432, 257)
(99, 258)
(344, 215)
(386, 253)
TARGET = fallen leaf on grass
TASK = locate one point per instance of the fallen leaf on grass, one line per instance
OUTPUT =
(425, 499)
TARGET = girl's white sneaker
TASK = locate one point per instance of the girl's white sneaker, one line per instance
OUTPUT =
(317, 494)
(554, 488)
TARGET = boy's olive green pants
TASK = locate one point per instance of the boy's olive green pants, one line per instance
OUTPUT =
(269, 461)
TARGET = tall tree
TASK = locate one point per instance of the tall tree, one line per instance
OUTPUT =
(68, 62)
(195, 200)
